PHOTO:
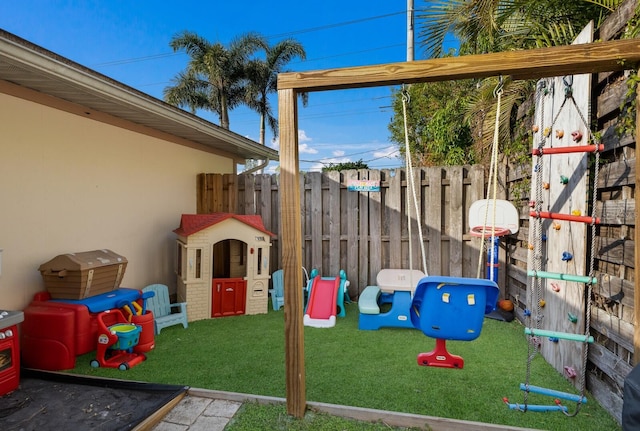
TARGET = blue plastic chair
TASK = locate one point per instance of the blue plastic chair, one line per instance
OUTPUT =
(163, 310)
(277, 293)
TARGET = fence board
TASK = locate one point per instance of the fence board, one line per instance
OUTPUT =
(315, 206)
(249, 195)
(394, 211)
(434, 220)
(375, 229)
(363, 219)
(334, 221)
(456, 218)
(352, 231)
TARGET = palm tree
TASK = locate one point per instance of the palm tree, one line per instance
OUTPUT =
(262, 75)
(483, 26)
(188, 91)
(214, 77)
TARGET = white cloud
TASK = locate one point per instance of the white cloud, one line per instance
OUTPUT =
(306, 149)
(303, 147)
(390, 152)
(302, 137)
(338, 153)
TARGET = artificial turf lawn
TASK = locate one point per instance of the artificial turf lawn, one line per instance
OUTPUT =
(372, 369)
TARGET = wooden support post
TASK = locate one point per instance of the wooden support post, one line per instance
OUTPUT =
(291, 253)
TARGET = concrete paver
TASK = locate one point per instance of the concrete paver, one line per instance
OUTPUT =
(198, 414)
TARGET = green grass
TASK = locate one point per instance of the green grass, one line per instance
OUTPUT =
(254, 416)
(372, 369)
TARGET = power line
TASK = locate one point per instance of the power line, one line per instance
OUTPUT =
(340, 24)
(290, 33)
(286, 34)
(324, 161)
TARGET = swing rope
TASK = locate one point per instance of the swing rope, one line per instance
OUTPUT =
(411, 182)
(493, 184)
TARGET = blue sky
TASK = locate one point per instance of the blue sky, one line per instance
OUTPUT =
(129, 41)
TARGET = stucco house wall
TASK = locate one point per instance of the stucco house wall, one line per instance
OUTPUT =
(69, 183)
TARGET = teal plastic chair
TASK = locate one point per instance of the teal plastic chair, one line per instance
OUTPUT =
(164, 313)
(277, 293)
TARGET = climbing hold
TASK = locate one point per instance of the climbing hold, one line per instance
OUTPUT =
(535, 128)
(566, 256)
(576, 212)
(544, 237)
(570, 372)
(555, 287)
(546, 186)
(554, 339)
(556, 226)
(576, 136)
(532, 204)
(547, 131)
(542, 303)
(559, 133)
(573, 318)
(564, 180)
(531, 246)
(536, 168)
(527, 312)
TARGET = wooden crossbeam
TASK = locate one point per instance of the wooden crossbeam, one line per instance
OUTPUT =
(526, 64)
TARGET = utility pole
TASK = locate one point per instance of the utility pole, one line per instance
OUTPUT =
(410, 30)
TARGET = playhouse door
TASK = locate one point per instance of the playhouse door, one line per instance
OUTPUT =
(228, 296)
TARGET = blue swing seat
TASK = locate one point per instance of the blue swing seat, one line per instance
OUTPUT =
(451, 308)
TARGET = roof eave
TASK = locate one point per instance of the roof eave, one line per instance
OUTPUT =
(132, 104)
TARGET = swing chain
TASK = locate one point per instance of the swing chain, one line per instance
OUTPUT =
(406, 97)
(499, 87)
(568, 83)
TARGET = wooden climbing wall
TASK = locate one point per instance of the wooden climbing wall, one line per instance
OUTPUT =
(564, 185)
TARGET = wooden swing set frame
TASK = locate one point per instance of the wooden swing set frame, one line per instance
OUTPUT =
(527, 64)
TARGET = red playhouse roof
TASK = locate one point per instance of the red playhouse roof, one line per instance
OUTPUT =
(192, 223)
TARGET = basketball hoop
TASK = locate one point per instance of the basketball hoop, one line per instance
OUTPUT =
(488, 231)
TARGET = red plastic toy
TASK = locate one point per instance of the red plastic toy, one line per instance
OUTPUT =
(116, 340)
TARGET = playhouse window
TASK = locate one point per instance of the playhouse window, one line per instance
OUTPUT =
(259, 266)
(198, 268)
(181, 260)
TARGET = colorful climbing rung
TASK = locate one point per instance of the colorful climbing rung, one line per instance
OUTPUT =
(565, 277)
(553, 393)
(566, 217)
(562, 335)
(536, 408)
(565, 150)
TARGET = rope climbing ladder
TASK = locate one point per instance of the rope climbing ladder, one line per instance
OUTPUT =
(559, 295)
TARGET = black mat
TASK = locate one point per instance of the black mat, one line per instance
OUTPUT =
(59, 401)
(498, 314)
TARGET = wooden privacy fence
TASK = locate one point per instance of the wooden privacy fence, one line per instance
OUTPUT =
(364, 231)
